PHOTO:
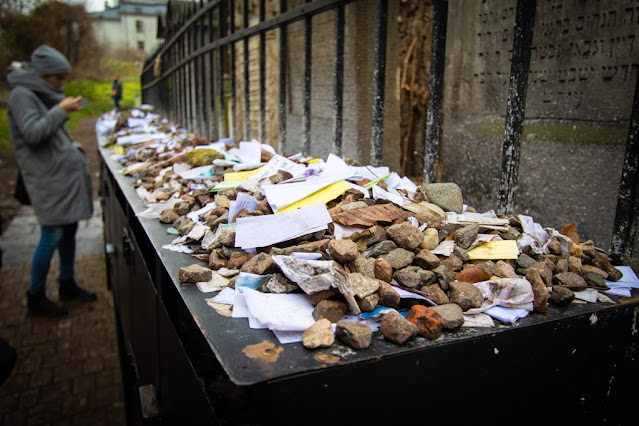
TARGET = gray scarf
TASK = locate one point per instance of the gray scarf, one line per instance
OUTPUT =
(27, 77)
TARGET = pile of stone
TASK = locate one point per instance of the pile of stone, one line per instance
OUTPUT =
(394, 248)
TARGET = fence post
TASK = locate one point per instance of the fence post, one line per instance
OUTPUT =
(379, 82)
(626, 221)
(516, 107)
(435, 90)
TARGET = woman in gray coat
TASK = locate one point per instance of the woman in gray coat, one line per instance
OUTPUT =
(55, 171)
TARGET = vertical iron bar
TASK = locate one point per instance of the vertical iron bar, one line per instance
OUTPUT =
(308, 61)
(626, 215)
(379, 82)
(247, 86)
(232, 72)
(435, 91)
(262, 71)
(338, 94)
(212, 110)
(223, 13)
(515, 111)
(282, 89)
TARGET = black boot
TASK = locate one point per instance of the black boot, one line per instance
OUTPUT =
(38, 304)
(70, 290)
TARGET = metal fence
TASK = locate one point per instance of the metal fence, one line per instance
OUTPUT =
(192, 79)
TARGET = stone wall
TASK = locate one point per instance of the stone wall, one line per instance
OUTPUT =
(582, 76)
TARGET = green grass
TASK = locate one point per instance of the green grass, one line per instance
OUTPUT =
(98, 93)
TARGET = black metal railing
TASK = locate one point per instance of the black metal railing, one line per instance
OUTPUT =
(196, 86)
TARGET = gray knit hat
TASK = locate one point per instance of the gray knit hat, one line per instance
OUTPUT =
(48, 61)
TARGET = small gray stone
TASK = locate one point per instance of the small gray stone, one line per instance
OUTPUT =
(227, 238)
(355, 334)
(381, 248)
(399, 258)
(363, 286)
(427, 277)
(443, 277)
(466, 295)
(462, 254)
(408, 277)
(397, 329)
(525, 261)
(369, 303)
(465, 236)
(595, 280)
(363, 265)
(448, 196)
(451, 313)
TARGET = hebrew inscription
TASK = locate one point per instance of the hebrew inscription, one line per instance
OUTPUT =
(584, 59)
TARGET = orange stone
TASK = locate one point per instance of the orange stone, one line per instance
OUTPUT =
(428, 321)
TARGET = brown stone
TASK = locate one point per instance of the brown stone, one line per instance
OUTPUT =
(452, 263)
(332, 310)
(317, 297)
(472, 275)
(540, 291)
(561, 295)
(343, 251)
(168, 216)
(590, 268)
(383, 270)
(397, 329)
(570, 280)
(388, 296)
(216, 261)
(505, 270)
(262, 264)
(405, 235)
(466, 295)
(238, 259)
(426, 259)
(451, 314)
(434, 293)
(194, 273)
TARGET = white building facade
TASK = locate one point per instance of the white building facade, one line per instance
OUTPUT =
(131, 25)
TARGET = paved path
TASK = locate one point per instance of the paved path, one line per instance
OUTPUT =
(68, 369)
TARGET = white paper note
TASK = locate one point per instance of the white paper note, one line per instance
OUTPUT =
(263, 231)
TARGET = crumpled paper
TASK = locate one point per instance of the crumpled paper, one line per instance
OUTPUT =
(506, 292)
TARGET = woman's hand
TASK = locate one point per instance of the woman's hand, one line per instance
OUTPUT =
(71, 104)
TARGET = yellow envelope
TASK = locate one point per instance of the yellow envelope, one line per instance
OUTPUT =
(239, 176)
(495, 250)
(323, 196)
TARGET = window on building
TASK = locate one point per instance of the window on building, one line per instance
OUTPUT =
(139, 26)
(140, 45)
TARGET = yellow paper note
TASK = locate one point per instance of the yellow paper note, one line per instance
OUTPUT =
(494, 250)
(322, 196)
(239, 176)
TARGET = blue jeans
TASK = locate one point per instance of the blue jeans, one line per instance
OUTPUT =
(61, 238)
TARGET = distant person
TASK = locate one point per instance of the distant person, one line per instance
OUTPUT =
(116, 91)
(54, 168)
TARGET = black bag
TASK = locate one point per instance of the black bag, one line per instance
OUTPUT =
(20, 192)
